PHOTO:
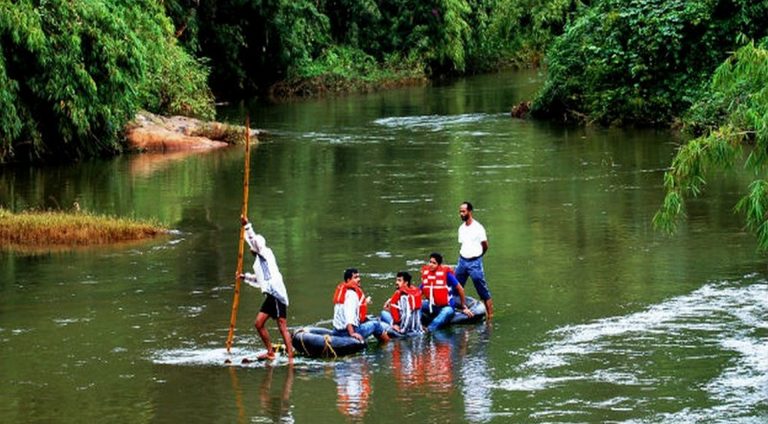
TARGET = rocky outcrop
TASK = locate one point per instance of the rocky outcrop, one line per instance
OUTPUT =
(153, 133)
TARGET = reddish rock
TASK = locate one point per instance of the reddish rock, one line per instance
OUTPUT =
(153, 133)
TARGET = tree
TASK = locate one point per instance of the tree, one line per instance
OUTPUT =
(73, 73)
(642, 61)
(733, 116)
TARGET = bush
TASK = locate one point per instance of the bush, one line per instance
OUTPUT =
(73, 73)
(641, 61)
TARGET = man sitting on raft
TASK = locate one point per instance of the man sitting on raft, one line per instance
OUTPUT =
(403, 310)
(442, 289)
(350, 309)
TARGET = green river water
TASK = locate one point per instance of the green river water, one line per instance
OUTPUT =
(599, 318)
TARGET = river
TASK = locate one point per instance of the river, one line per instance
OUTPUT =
(598, 317)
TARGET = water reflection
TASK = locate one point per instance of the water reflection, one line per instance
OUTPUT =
(423, 365)
(275, 402)
(447, 368)
(353, 387)
(476, 376)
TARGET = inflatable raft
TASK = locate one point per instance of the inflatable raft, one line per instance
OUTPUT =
(318, 342)
(478, 314)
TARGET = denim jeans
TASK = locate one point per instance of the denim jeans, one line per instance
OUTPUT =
(444, 315)
(473, 268)
(371, 327)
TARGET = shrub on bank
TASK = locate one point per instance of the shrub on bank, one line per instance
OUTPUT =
(72, 74)
(642, 61)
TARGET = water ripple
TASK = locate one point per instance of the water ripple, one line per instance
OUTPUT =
(717, 329)
(432, 122)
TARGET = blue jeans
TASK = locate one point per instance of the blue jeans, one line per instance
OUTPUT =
(371, 327)
(473, 268)
(366, 329)
(442, 317)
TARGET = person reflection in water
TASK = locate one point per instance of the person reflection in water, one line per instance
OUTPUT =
(424, 365)
(353, 387)
(277, 405)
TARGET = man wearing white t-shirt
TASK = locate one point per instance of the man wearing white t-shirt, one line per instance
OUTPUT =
(473, 245)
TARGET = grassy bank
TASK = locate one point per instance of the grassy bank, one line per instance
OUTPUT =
(56, 229)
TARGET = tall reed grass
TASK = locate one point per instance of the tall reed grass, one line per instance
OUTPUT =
(41, 229)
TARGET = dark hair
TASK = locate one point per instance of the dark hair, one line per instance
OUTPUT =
(469, 205)
(438, 257)
(349, 272)
(406, 276)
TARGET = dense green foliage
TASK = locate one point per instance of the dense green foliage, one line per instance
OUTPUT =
(73, 73)
(642, 61)
(733, 116)
(254, 43)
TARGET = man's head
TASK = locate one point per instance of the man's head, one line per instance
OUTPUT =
(465, 211)
(351, 274)
(435, 260)
(403, 279)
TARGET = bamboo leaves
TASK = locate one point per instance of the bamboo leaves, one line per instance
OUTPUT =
(733, 114)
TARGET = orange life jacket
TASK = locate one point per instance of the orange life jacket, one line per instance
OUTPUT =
(341, 292)
(435, 285)
(414, 301)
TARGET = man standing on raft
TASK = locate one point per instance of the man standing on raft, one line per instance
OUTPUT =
(474, 244)
(266, 276)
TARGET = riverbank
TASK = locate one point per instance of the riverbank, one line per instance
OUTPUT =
(60, 230)
(154, 133)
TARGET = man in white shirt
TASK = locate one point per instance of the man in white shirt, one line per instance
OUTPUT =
(267, 277)
(473, 245)
(350, 310)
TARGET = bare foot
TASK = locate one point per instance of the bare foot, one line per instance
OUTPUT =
(267, 356)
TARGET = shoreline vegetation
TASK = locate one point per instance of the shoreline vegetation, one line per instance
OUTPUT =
(44, 231)
(73, 75)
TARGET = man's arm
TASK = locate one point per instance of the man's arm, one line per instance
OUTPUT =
(453, 282)
(484, 243)
(250, 234)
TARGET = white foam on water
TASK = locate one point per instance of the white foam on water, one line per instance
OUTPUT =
(198, 356)
(431, 122)
(357, 138)
(727, 320)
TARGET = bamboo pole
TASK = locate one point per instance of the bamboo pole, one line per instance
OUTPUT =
(240, 248)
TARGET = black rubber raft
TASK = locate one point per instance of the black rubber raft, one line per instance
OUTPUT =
(319, 342)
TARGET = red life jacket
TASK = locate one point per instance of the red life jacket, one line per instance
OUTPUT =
(341, 293)
(414, 301)
(435, 285)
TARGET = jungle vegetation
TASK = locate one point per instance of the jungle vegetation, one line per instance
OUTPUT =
(642, 62)
(73, 73)
(731, 121)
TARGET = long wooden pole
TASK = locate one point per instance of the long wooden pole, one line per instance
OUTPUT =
(240, 248)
